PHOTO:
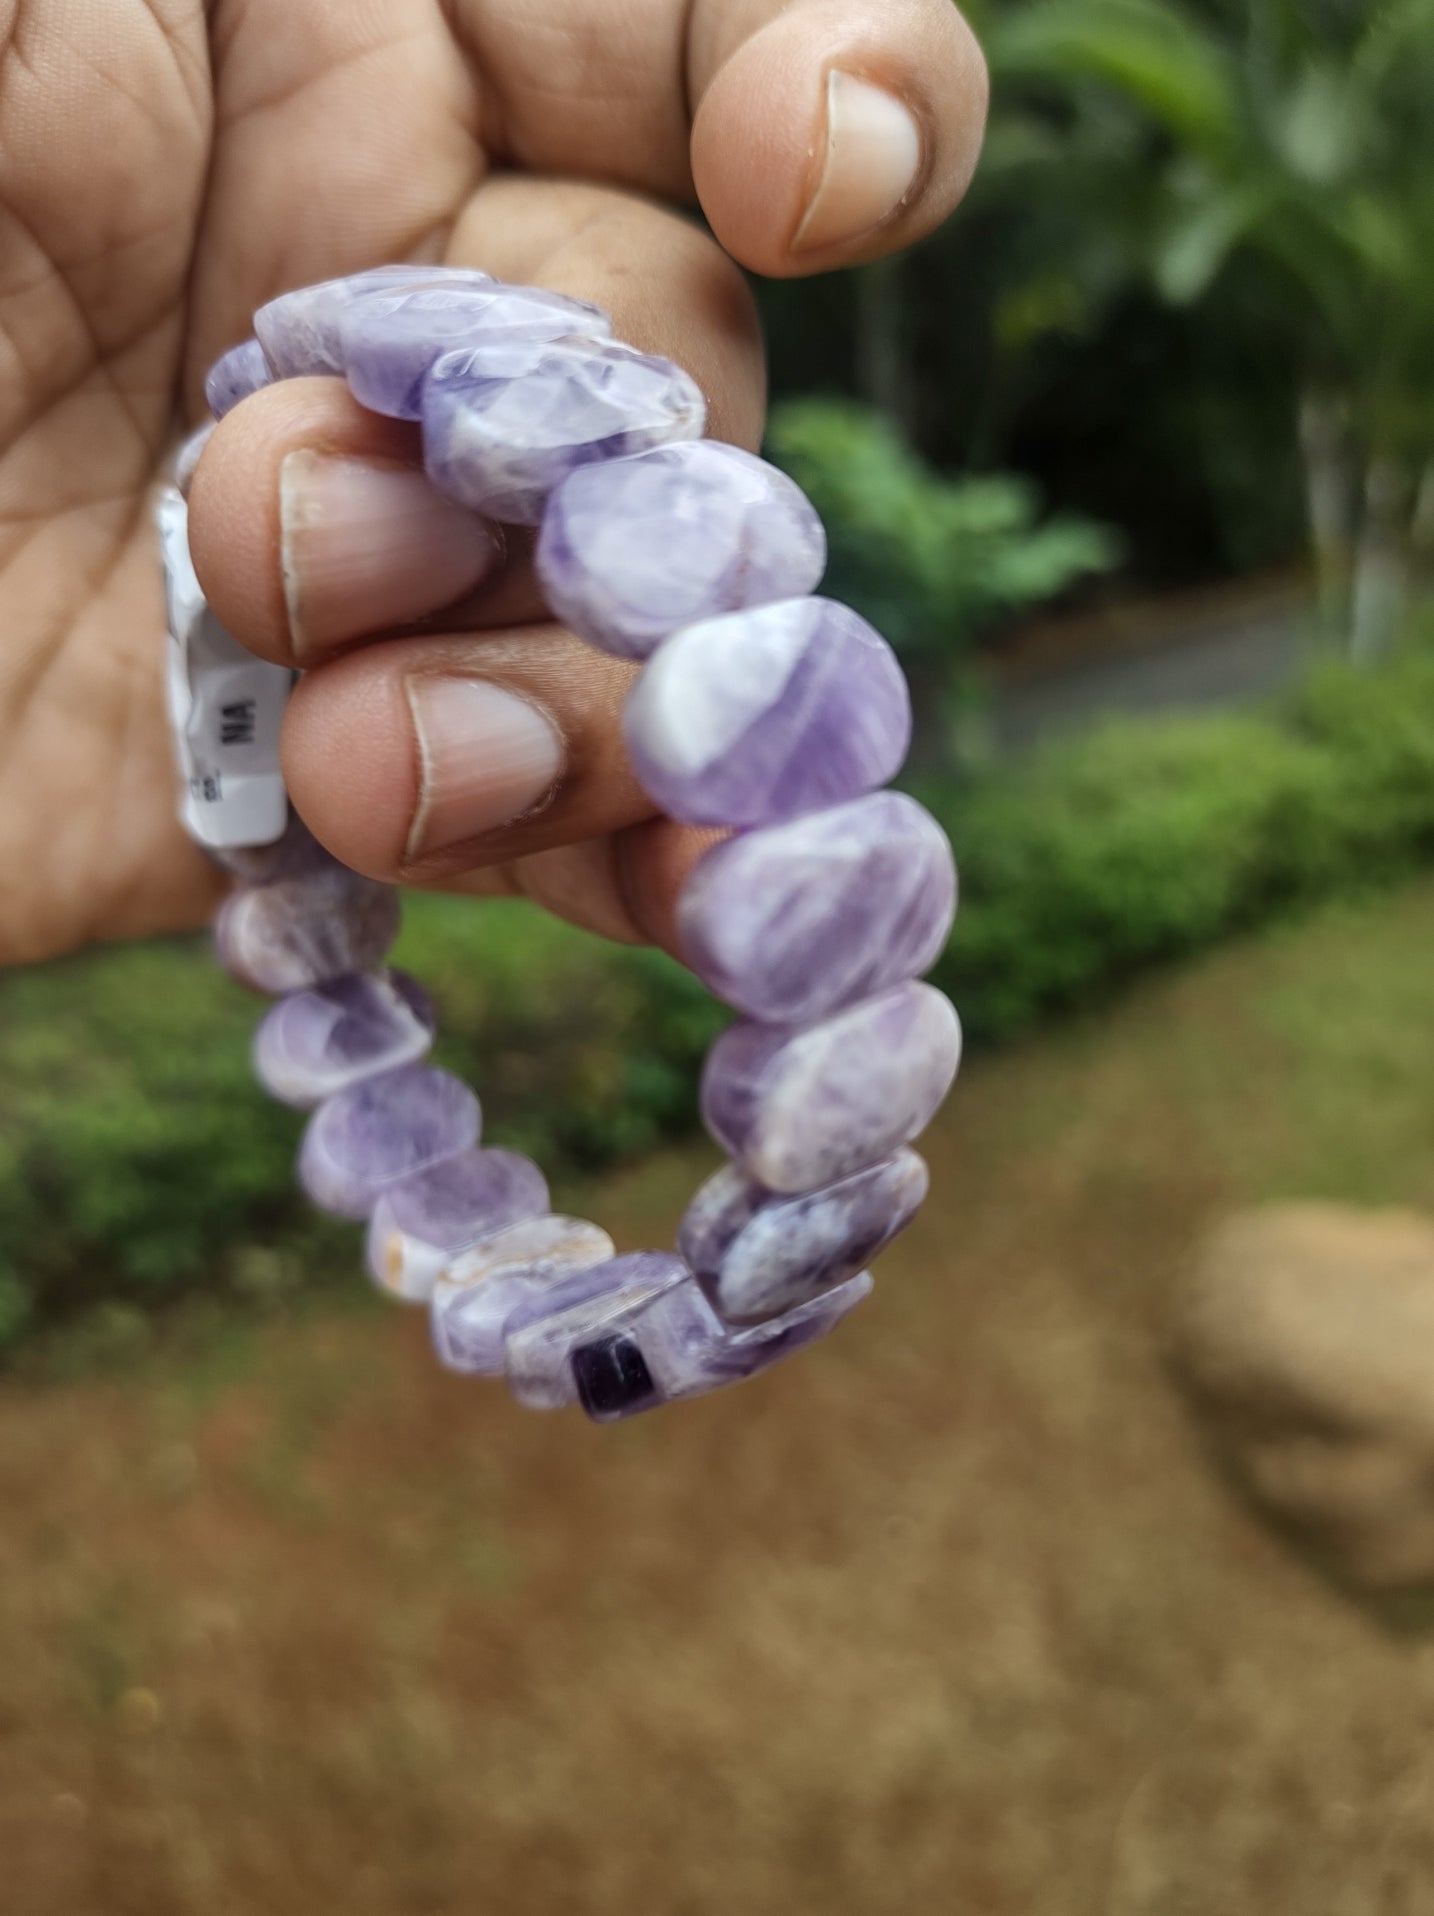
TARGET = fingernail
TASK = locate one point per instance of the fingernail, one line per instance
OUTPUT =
(367, 545)
(487, 757)
(872, 159)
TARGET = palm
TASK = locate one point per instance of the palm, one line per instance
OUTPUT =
(166, 165)
(114, 302)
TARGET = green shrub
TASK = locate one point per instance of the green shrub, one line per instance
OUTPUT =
(931, 561)
(139, 1159)
(1146, 840)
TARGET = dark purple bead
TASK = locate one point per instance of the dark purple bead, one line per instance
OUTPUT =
(612, 1379)
(543, 1334)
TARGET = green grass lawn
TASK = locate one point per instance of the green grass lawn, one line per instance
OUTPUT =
(948, 1616)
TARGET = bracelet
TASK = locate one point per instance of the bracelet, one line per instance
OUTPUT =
(761, 709)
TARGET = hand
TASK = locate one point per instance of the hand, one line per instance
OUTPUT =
(165, 167)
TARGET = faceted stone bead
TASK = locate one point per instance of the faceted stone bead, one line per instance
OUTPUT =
(791, 923)
(624, 1354)
(522, 1269)
(390, 341)
(506, 422)
(300, 331)
(801, 1109)
(366, 1138)
(765, 714)
(758, 1256)
(317, 1042)
(543, 1337)
(689, 1351)
(632, 552)
(423, 1222)
(612, 1378)
(242, 370)
(306, 928)
(186, 460)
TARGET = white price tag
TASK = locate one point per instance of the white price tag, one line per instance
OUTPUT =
(225, 707)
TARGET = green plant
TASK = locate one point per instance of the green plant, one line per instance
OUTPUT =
(1144, 841)
(138, 1159)
(931, 560)
(1283, 141)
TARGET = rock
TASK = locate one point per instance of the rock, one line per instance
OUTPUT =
(1306, 1335)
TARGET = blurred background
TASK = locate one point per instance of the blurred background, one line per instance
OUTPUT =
(1089, 1569)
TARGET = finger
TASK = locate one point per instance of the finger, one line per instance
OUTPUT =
(625, 886)
(422, 758)
(825, 131)
(312, 525)
(425, 757)
(832, 131)
(347, 135)
(310, 522)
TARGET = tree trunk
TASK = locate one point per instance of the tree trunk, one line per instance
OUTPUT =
(882, 370)
(1329, 494)
(1381, 576)
(1421, 525)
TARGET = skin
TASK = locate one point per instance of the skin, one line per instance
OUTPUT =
(168, 165)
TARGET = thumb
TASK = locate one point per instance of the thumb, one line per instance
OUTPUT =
(831, 132)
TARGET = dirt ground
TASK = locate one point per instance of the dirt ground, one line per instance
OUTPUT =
(949, 1616)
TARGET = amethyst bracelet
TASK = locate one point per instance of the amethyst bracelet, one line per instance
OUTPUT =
(762, 709)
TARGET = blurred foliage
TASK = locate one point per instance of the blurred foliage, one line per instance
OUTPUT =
(1191, 284)
(1143, 840)
(1279, 144)
(931, 561)
(138, 1160)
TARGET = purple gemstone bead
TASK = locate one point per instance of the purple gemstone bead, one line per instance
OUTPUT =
(482, 1289)
(507, 422)
(791, 923)
(366, 1138)
(689, 1351)
(318, 1042)
(632, 552)
(421, 1223)
(758, 1256)
(242, 370)
(801, 1109)
(389, 342)
(299, 331)
(541, 1340)
(186, 460)
(625, 1356)
(762, 715)
(306, 928)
